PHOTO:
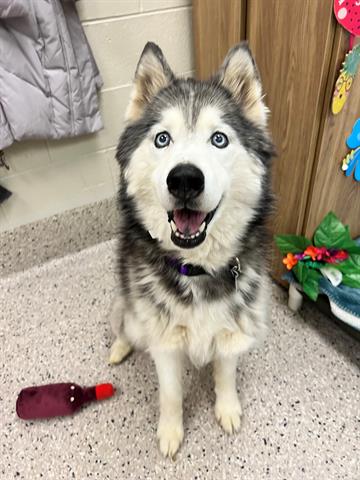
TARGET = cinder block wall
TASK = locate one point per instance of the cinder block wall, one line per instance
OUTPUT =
(51, 177)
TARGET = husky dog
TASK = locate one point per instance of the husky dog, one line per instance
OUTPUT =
(194, 199)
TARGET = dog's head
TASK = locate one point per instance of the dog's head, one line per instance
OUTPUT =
(194, 154)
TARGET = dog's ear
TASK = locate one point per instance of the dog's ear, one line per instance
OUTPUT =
(240, 76)
(152, 74)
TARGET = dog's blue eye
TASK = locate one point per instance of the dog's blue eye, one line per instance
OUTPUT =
(219, 140)
(162, 140)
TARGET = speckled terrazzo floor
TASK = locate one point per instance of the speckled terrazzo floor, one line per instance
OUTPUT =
(300, 392)
(68, 232)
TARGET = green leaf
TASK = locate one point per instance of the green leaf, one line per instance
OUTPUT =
(315, 275)
(331, 233)
(352, 279)
(291, 243)
(311, 289)
(353, 248)
(351, 265)
(308, 278)
(301, 272)
(315, 265)
(311, 285)
(350, 269)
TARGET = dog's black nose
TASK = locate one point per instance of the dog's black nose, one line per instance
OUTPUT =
(185, 181)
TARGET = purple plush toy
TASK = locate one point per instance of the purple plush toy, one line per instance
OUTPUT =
(58, 399)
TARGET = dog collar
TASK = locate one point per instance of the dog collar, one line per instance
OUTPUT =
(190, 270)
(186, 269)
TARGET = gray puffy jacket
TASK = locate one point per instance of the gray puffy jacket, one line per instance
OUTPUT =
(48, 76)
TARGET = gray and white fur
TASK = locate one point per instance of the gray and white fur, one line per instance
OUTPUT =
(207, 317)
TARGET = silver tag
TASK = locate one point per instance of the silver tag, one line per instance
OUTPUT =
(236, 270)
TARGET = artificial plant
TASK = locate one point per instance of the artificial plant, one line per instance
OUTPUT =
(331, 247)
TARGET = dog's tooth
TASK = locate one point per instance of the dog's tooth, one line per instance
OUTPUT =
(197, 234)
(182, 235)
(202, 227)
(177, 234)
(173, 226)
(192, 237)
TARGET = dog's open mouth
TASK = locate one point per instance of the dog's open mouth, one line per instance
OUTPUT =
(188, 227)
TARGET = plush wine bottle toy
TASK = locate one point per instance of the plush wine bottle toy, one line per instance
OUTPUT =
(58, 399)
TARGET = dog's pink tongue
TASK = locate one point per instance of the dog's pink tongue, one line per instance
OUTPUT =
(188, 221)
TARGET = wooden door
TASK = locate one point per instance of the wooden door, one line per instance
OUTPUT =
(218, 24)
(292, 41)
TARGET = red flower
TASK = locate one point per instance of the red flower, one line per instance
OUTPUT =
(340, 255)
(330, 260)
(311, 252)
(322, 254)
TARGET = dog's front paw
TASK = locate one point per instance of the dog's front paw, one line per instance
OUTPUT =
(170, 434)
(119, 350)
(228, 414)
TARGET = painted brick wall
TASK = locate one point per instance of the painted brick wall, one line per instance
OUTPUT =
(49, 177)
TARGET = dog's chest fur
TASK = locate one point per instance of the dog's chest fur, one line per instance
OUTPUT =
(200, 327)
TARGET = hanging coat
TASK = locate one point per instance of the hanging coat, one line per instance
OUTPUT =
(48, 76)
